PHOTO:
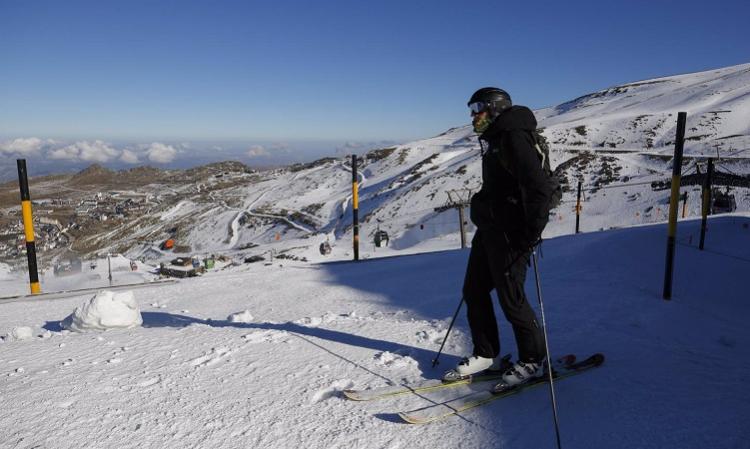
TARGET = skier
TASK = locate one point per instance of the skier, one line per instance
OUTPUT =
(510, 211)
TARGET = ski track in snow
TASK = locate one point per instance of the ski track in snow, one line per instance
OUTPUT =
(235, 230)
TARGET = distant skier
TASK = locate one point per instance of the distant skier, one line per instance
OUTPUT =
(510, 212)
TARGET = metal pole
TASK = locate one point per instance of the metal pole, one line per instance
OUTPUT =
(546, 348)
(435, 361)
(28, 226)
(355, 206)
(706, 209)
(461, 226)
(673, 203)
(578, 208)
(684, 204)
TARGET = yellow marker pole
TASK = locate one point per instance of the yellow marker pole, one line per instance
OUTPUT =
(28, 226)
(355, 206)
(674, 203)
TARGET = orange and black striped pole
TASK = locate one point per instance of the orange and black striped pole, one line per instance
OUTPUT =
(355, 206)
(28, 226)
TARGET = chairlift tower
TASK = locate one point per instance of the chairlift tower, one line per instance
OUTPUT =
(458, 199)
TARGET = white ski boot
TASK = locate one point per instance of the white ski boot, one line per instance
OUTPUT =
(522, 372)
(476, 364)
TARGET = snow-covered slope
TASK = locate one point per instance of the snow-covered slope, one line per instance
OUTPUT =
(642, 115)
(618, 137)
(675, 375)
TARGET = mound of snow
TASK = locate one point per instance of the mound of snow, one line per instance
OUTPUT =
(21, 333)
(5, 272)
(106, 310)
(394, 360)
(309, 321)
(240, 317)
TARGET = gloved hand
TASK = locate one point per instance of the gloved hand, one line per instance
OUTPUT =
(523, 240)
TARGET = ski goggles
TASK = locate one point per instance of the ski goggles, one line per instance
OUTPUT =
(477, 107)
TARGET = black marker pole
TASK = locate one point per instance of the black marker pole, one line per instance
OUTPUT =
(674, 203)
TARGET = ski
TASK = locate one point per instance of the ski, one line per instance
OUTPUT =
(431, 384)
(472, 400)
(415, 387)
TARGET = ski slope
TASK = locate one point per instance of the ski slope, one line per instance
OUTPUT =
(675, 376)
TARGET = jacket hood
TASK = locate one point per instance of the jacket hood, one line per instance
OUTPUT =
(515, 117)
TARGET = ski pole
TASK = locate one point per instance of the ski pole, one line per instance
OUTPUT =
(546, 347)
(435, 361)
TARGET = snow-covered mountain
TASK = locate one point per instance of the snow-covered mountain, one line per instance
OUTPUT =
(617, 142)
(642, 115)
(401, 187)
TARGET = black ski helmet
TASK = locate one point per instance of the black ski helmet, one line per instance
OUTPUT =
(495, 100)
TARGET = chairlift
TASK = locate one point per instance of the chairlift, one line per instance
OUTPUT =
(723, 202)
(381, 238)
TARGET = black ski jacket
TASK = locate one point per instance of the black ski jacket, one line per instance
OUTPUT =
(516, 193)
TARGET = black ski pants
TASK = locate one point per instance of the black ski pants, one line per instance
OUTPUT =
(493, 265)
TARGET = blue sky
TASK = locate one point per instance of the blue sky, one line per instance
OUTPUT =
(301, 79)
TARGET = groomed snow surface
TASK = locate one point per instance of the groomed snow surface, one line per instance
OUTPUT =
(257, 357)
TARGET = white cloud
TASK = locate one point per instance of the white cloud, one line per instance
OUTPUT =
(22, 146)
(96, 151)
(161, 153)
(257, 151)
(129, 157)
(267, 150)
(69, 153)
